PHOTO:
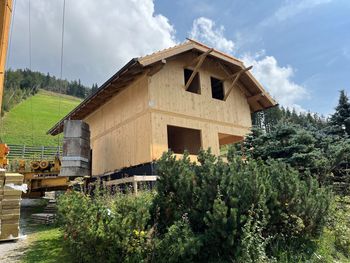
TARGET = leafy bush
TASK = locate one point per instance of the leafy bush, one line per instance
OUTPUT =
(106, 228)
(235, 210)
(340, 225)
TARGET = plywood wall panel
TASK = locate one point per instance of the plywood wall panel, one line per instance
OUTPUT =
(210, 132)
(121, 130)
(167, 93)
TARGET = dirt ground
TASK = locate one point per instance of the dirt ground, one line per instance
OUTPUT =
(12, 251)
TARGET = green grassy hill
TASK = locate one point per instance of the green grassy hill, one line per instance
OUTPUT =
(28, 122)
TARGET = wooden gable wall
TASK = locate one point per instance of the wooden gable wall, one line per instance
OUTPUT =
(172, 105)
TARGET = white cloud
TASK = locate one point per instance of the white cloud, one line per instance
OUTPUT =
(292, 8)
(277, 79)
(204, 29)
(100, 36)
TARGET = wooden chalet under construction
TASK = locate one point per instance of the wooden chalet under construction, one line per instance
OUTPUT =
(187, 97)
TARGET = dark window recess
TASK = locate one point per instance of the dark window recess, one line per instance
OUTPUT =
(195, 86)
(181, 139)
(217, 89)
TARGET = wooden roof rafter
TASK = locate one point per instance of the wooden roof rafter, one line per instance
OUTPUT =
(235, 78)
(199, 60)
(255, 105)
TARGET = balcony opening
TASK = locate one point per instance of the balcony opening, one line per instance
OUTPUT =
(195, 86)
(217, 89)
(226, 139)
(181, 139)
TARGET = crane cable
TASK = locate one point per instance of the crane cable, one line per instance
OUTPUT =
(61, 72)
(30, 69)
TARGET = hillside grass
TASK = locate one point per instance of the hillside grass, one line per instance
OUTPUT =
(28, 122)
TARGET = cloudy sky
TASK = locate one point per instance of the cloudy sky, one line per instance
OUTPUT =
(300, 49)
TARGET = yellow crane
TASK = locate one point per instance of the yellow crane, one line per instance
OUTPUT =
(5, 20)
(5, 16)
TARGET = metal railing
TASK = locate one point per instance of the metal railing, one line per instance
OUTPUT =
(27, 152)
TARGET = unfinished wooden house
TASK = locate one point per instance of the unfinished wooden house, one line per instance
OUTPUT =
(187, 97)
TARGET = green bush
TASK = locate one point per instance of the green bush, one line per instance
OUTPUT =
(236, 210)
(340, 225)
(214, 211)
(106, 228)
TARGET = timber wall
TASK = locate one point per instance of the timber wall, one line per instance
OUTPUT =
(131, 128)
(172, 105)
(121, 131)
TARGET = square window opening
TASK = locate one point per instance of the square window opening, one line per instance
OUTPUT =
(181, 139)
(195, 86)
(226, 139)
(217, 89)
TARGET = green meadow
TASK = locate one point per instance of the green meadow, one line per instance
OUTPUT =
(28, 122)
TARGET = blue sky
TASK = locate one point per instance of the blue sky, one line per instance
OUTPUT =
(300, 49)
(312, 37)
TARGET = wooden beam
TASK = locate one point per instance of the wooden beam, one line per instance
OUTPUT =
(255, 97)
(132, 179)
(199, 64)
(242, 89)
(156, 68)
(238, 72)
(236, 77)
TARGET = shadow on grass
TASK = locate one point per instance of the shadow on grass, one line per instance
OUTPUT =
(46, 246)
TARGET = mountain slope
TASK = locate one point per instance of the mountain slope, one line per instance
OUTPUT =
(28, 122)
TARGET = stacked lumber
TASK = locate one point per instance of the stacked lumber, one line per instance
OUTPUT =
(10, 199)
(43, 218)
(51, 207)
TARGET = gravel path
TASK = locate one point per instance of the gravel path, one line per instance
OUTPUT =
(12, 251)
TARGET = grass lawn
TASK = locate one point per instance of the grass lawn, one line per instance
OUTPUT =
(28, 122)
(46, 246)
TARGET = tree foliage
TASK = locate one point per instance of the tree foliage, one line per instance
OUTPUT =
(307, 142)
(235, 211)
(340, 120)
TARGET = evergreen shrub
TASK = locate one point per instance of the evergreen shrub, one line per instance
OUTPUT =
(236, 210)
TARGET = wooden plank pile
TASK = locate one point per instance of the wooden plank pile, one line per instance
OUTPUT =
(51, 208)
(43, 218)
(48, 216)
(10, 199)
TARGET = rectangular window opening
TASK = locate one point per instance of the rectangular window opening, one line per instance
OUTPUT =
(227, 139)
(195, 86)
(217, 89)
(181, 139)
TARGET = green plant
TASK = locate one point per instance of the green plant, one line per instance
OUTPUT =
(218, 197)
(106, 228)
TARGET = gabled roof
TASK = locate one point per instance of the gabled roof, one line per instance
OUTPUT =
(258, 98)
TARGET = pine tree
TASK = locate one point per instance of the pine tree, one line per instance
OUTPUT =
(340, 120)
